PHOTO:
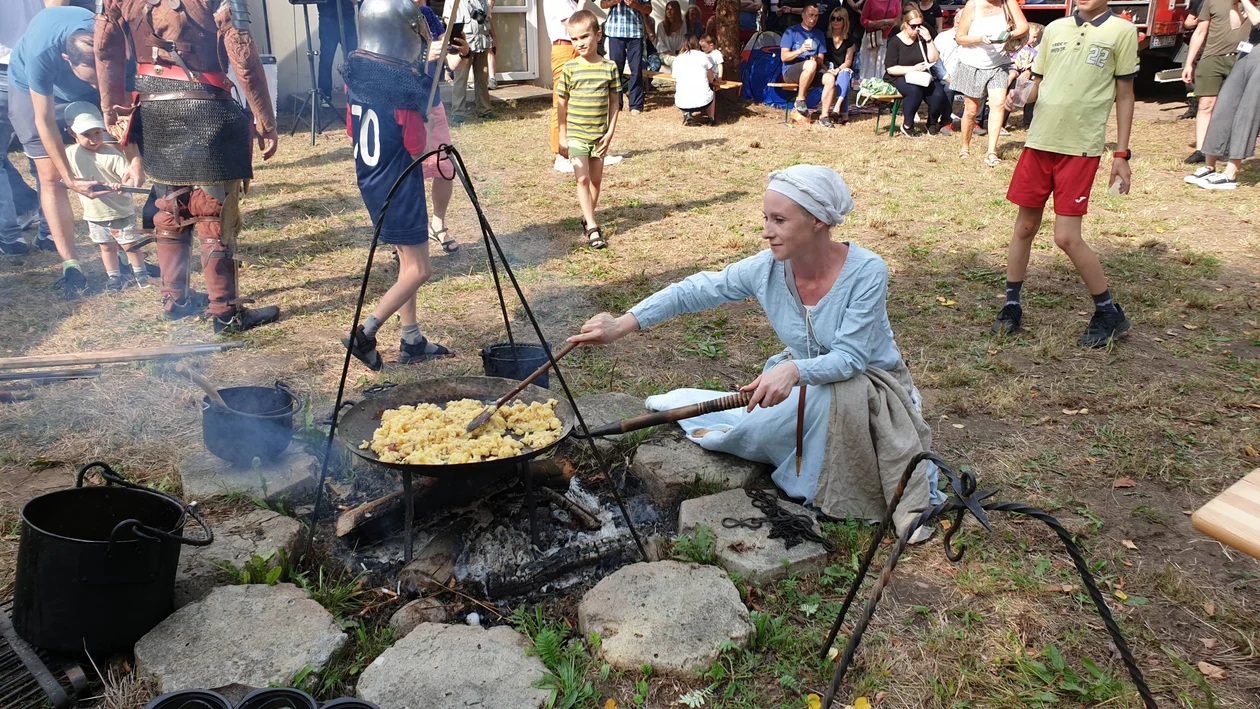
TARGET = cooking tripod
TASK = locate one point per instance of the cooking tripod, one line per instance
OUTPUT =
(494, 252)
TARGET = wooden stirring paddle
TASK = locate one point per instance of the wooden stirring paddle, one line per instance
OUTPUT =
(211, 391)
(485, 415)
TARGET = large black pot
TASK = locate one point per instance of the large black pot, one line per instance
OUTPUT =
(515, 362)
(259, 423)
(190, 699)
(96, 565)
(278, 698)
(350, 703)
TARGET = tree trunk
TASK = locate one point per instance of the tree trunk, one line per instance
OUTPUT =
(727, 14)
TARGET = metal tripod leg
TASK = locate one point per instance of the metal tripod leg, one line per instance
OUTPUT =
(522, 470)
(409, 507)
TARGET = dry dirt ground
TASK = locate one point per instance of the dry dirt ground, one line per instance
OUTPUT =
(1174, 407)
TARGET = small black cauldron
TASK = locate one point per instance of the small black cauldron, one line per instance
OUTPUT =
(258, 424)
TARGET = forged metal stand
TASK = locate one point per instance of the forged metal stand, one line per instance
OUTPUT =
(966, 499)
(493, 250)
(527, 479)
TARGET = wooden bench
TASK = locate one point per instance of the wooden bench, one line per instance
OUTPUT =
(1233, 517)
(895, 100)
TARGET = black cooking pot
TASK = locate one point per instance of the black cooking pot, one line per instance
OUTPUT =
(278, 698)
(515, 361)
(190, 699)
(350, 703)
(96, 565)
(257, 424)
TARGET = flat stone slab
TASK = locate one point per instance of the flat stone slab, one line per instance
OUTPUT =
(455, 667)
(235, 540)
(667, 466)
(668, 614)
(599, 409)
(751, 553)
(251, 635)
(293, 475)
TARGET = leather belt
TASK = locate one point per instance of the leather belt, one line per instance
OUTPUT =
(173, 95)
(216, 79)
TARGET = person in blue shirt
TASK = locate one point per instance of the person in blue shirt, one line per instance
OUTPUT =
(801, 50)
(53, 65)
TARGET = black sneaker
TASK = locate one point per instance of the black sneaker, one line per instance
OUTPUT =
(46, 244)
(1196, 157)
(115, 284)
(421, 351)
(73, 282)
(825, 122)
(980, 131)
(1104, 327)
(364, 349)
(933, 129)
(247, 318)
(17, 248)
(909, 132)
(1009, 320)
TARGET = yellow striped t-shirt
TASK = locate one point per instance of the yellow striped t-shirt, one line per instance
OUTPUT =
(588, 86)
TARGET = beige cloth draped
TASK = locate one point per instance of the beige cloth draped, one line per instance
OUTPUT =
(873, 433)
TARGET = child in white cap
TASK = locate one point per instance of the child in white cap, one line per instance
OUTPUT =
(111, 215)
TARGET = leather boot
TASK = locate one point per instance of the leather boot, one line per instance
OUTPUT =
(246, 318)
(173, 245)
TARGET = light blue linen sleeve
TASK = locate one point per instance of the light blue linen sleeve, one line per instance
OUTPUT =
(857, 333)
(704, 290)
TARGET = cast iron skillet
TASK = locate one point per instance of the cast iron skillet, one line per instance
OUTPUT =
(359, 423)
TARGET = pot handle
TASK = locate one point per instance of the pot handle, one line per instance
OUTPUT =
(284, 387)
(139, 529)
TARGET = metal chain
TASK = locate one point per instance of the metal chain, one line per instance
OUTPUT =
(792, 528)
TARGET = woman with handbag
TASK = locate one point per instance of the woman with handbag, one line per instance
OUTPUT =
(908, 64)
(879, 18)
(984, 27)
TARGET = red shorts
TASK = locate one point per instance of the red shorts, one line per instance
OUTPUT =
(1039, 173)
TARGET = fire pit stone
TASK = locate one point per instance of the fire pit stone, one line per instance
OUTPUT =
(236, 539)
(454, 667)
(252, 635)
(671, 615)
(426, 609)
(751, 553)
(292, 475)
(667, 465)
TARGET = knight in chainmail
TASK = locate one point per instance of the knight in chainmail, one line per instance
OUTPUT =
(195, 140)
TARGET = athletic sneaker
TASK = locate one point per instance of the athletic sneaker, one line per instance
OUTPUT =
(980, 131)
(17, 248)
(933, 129)
(116, 283)
(563, 164)
(364, 349)
(825, 122)
(46, 244)
(1195, 177)
(1218, 181)
(421, 351)
(909, 132)
(1104, 327)
(1008, 321)
(74, 283)
(1196, 157)
(800, 107)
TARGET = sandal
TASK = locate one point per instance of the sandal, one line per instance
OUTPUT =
(448, 244)
(364, 349)
(595, 238)
(964, 154)
(992, 159)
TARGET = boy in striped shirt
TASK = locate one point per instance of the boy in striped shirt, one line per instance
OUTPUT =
(586, 109)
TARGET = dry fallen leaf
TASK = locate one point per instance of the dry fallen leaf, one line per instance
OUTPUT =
(946, 524)
(1071, 412)
(1212, 671)
(1250, 452)
(1090, 459)
(1123, 482)
(1209, 608)
(959, 425)
(833, 653)
(1121, 595)
(1189, 326)
(1128, 544)
(1070, 588)
(1209, 643)
(610, 704)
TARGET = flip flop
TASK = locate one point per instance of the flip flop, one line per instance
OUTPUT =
(595, 238)
(448, 245)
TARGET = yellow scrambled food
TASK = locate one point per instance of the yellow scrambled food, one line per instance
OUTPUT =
(428, 434)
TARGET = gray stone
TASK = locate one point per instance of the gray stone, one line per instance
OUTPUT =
(668, 465)
(600, 409)
(422, 610)
(751, 553)
(455, 667)
(251, 635)
(667, 614)
(235, 540)
(293, 475)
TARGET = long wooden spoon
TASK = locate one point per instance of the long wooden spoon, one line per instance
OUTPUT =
(204, 383)
(485, 415)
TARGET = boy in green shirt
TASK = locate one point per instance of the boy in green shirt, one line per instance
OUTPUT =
(1085, 63)
(586, 109)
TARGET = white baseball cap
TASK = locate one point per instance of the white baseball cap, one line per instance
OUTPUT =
(82, 116)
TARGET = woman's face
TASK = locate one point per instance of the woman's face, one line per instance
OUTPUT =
(673, 12)
(693, 14)
(789, 229)
(911, 24)
(836, 22)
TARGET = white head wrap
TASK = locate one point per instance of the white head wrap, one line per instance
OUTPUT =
(819, 190)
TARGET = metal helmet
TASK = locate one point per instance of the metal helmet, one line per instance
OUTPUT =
(394, 28)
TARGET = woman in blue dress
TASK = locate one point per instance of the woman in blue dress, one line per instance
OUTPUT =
(826, 300)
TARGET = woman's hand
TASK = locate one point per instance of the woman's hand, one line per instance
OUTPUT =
(773, 387)
(604, 329)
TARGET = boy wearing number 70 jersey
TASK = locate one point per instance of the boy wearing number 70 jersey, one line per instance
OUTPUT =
(1085, 63)
(386, 126)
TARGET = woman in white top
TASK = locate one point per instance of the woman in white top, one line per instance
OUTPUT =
(693, 81)
(981, 62)
(669, 33)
